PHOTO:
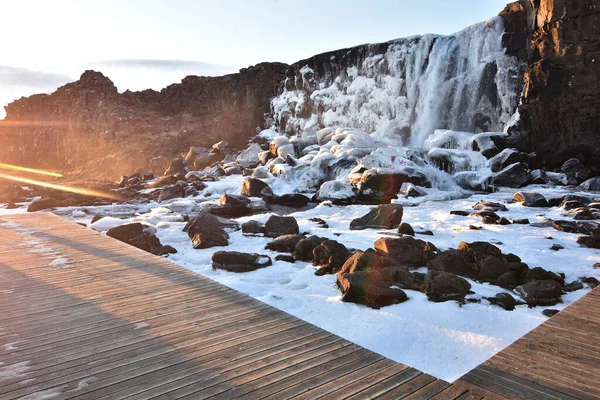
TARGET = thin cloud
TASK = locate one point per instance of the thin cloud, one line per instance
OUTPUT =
(11, 77)
(166, 65)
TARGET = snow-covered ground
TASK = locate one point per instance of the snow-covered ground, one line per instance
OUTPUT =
(442, 339)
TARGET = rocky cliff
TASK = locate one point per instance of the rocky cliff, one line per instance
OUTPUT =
(561, 101)
(90, 120)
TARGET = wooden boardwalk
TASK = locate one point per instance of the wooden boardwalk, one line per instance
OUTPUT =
(85, 316)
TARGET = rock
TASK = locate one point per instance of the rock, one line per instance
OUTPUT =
(475, 228)
(514, 176)
(503, 300)
(292, 200)
(44, 204)
(503, 159)
(540, 293)
(530, 199)
(454, 261)
(571, 205)
(489, 206)
(550, 312)
(582, 214)
(443, 286)
(502, 221)
(140, 236)
(278, 226)
(304, 248)
(221, 145)
(522, 221)
(249, 158)
(571, 166)
(330, 254)
(538, 177)
(232, 169)
(206, 231)
(233, 206)
(375, 186)
(366, 261)
(406, 250)
(320, 221)
(285, 243)
(252, 187)
(405, 229)
(590, 281)
(491, 269)
(176, 191)
(540, 274)
(253, 227)
(592, 242)
(285, 258)
(11, 206)
(573, 286)
(410, 190)
(177, 166)
(336, 192)
(460, 213)
(234, 261)
(592, 185)
(586, 228)
(370, 289)
(508, 280)
(385, 216)
(556, 247)
(479, 251)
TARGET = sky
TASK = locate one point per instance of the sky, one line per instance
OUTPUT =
(142, 44)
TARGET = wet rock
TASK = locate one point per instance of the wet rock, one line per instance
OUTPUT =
(252, 187)
(44, 204)
(285, 243)
(206, 231)
(406, 250)
(503, 300)
(386, 216)
(304, 248)
(285, 258)
(530, 199)
(140, 236)
(455, 262)
(489, 206)
(278, 226)
(405, 229)
(234, 261)
(292, 200)
(370, 289)
(514, 176)
(504, 159)
(540, 293)
(443, 286)
(330, 255)
(177, 166)
(253, 227)
(592, 242)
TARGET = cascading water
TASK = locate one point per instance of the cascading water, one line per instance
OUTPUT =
(398, 110)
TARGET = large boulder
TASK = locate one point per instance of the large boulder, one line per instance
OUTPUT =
(206, 231)
(489, 206)
(234, 261)
(278, 226)
(479, 251)
(455, 262)
(385, 216)
(540, 293)
(140, 236)
(177, 166)
(514, 176)
(443, 286)
(292, 200)
(503, 159)
(369, 288)
(593, 241)
(592, 185)
(366, 261)
(330, 255)
(531, 199)
(44, 204)
(253, 227)
(234, 206)
(249, 157)
(304, 248)
(406, 250)
(375, 186)
(252, 187)
(285, 243)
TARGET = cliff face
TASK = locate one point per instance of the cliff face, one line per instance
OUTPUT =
(561, 102)
(89, 120)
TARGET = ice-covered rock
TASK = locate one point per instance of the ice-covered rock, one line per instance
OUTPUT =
(336, 191)
(249, 158)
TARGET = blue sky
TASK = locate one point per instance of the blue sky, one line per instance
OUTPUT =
(151, 43)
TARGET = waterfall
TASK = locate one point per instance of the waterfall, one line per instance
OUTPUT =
(402, 91)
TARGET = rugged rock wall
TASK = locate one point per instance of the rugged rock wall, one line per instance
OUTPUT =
(561, 102)
(89, 120)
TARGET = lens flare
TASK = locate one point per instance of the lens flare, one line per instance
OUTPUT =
(71, 189)
(32, 170)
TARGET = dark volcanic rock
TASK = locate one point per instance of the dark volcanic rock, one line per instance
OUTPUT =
(489, 206)
(304, 248)
(206, 231)
(540, 274)
(285, 243)
(253, 227)
(366, 261)
(592, 241)
(540, 293)
(252, 187)
(503, 159)
(479, 251)
(234, 206)
(140, 236)
(330, 255)
(406, 250)
(177, 166)
(503, 300)
(444, 286)
(514, 176)
(285, 258)
(530, 199)
(382, 188)
(406, 229)
(234, 261)
(539, 177)
(592, 185)
(278, 226)
(386, 216)
(454, 261)
(369, 288)
(491, 269)
(292, 200)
